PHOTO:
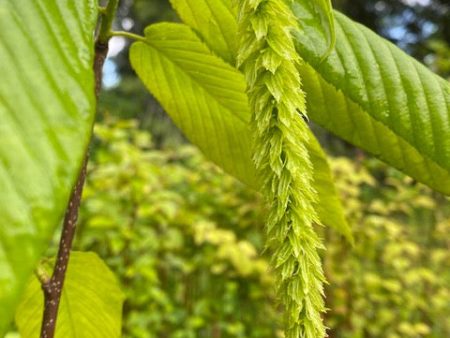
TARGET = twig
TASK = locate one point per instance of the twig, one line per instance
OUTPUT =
(53, 287)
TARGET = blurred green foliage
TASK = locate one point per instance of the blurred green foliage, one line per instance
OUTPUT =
(439, 60)
(183, 238)
(186, 240)
(395, 282)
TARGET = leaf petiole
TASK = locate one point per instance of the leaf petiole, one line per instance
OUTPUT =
(128, 35)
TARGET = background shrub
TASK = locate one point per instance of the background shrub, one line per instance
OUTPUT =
(185, 240)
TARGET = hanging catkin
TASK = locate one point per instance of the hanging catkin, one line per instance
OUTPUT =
(269, 61)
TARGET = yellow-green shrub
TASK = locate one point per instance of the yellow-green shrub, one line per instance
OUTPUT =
(186, 241)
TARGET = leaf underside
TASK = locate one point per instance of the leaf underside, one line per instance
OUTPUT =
(377, 98)
(388, 103)
(46, 113)
(206, 99)
(331, 109)
(91, 302)
(204, 96)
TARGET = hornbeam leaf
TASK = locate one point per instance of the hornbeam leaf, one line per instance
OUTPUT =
(47, 108)
(372, 94)
(215, 20)
(334, 111)
(203, 95)
(390, 105)
(206, 99)
(329, 206)
(91, 302)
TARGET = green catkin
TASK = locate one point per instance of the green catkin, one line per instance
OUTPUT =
(269, 61)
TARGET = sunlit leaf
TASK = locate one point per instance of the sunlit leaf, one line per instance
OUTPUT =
(46, 114)
(374, 95)
(206, 99)
(91, 302)
(385, 96)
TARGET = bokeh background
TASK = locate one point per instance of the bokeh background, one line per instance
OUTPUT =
(186, 240)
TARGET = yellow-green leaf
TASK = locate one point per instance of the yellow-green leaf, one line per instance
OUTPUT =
(91, 302)
(377, 97)
(47, 109)
(206, 99)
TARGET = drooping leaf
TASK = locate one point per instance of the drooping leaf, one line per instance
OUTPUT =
(46, 113)
(91, 302)
(335, 112)
(330, 209)
(215, 20)
(389, 104)
(204, 96)
(206, 99)
(370, 119)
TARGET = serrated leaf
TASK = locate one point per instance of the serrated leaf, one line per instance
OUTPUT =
(204, 96)
(91, 302)
(374, 121)
(331, 109)
(206, 99)
(216, 22)
(46, 114)
(329, 206)
(388, 103)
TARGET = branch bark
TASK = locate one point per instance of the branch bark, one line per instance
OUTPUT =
(53, 287)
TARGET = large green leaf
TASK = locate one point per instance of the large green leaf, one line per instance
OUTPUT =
(225, 29)
(46, 113)
(215, 21)
(378, 98)
(334, 111)
(389, 103)
(91, 302)
(204, 96)
(206, 99)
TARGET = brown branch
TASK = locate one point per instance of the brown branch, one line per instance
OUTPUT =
(101, 50)
(53, 287)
